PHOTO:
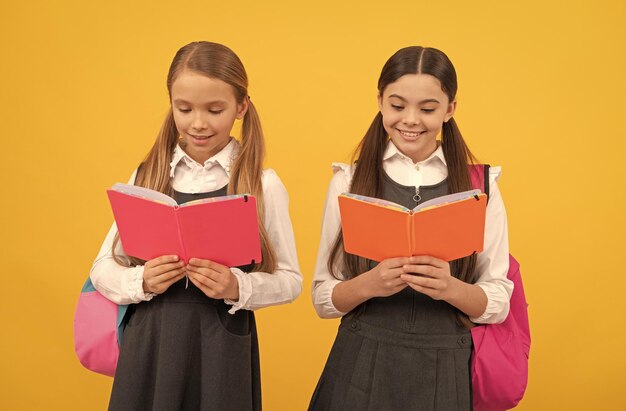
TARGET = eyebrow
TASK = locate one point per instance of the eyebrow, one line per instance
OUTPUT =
(180, 100)
(428, 100)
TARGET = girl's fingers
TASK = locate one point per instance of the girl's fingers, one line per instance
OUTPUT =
(397, 283)
(427, 260)
(162, 265)
(423, 269)
(395, 272)
(201, 286)
(424, 282)
(195, 269)
(174, 279)
(161, 283)
(205, 272)
(423, 290)
(170, 274)
(209, 272)
(202, 279)
(395, 262)
(169, 277)
(164, 259)
(198, 262)
(208, 291)
(166, 268)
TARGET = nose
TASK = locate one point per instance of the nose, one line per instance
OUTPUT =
(199, 121)
(411, 118)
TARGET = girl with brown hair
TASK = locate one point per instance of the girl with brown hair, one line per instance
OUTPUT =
(193, 345)
(403, 342)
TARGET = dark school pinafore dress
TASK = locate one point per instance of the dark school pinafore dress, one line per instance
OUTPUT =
(402, 352)
(183, 351)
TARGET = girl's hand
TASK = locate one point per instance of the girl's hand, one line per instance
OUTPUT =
(215, 280)
(431, 276)
(161, 272)
(384, 279)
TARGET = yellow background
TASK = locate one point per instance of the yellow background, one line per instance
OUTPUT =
(541, 93)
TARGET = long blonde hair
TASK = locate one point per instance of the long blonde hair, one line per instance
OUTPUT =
(218, 62)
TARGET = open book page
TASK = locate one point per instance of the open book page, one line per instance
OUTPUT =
(450, 198)
(223, 231)
(143, 192)
(148, 228)
(372, 230)
(378, 201)
(214, 199)
(448, 228)
(451, 231)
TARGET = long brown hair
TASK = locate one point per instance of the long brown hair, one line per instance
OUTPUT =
(368, 173)
(218, 62)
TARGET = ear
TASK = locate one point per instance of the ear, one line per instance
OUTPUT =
(242, 108)
(450, 111)
(380, 102)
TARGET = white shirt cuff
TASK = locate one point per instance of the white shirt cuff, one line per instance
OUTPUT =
(323, 300)
(135, 286)
(245, 291)
(497, 306)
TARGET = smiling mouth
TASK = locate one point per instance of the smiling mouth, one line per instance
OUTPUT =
(410, 133)
(199, 137)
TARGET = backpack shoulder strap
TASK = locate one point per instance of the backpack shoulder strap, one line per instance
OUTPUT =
(479, 174)
(486, 179)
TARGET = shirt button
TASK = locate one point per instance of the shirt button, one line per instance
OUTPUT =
(417, 168)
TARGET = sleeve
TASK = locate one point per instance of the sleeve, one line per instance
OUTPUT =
(492, 264)
(120, 284)
(323, 281)
(260, 289)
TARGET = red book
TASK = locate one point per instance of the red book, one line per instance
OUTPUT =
(447, 227)
(220, 229)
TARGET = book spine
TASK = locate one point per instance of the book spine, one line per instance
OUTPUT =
(410, 226)
(184, 255)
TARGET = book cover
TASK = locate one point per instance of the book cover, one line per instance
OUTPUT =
(221, 229)
(447, 227)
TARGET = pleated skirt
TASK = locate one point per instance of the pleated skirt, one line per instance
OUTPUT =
(187, 354)
(374, 368)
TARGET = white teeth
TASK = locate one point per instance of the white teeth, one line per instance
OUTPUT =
(410, 134)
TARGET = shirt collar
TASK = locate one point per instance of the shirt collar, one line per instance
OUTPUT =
(392, 152)
(224, 157)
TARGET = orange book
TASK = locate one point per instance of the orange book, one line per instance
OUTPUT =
(447, 227)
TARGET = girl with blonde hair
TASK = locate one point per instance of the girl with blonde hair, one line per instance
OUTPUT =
(194, 345)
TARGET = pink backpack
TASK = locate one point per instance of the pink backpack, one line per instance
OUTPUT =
(500, 354)
(98, 327)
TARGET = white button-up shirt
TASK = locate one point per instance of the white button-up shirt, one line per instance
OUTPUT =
(492, 264)
(124, 285)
